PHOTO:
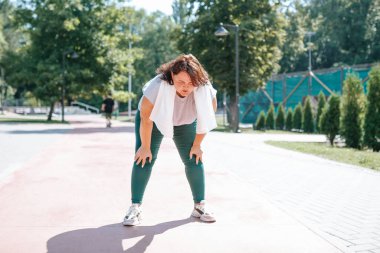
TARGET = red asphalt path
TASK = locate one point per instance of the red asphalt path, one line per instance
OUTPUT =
(71, 198)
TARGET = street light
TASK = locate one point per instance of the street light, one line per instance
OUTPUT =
(309, 34)
(221, 32)
(72, 55)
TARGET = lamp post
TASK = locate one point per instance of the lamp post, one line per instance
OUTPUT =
(309, 34)
(72, 55)
(221, 32)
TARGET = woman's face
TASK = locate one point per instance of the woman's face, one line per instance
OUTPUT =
(182, 83)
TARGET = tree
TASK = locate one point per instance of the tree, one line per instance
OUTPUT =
(335, 21)
(297, 117)
(372, 116)
(260, 122)
(293, 49)
(159, 30)
(321, 105)
(3, 43)
(57, 29)
(351, 110)
(372, 35)
(269, 121)
(259, 38)
(289, 120)
(333, 44)
(181, 12)
(280, 119)
(329, 120)
(9, 43)
(308, 118)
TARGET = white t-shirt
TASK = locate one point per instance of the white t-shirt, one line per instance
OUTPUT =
(184, 108)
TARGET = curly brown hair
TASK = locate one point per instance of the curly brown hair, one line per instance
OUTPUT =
(187, 63)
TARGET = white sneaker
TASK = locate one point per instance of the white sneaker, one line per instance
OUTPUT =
(133, 216)
(200, 211)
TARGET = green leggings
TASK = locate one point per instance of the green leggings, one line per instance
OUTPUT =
(183, 138)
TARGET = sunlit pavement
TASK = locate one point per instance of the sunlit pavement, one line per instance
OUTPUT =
(71, 194)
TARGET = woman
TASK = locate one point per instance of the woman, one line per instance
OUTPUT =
(179, 103)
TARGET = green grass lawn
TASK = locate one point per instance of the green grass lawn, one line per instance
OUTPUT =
(26, 120)
(125, 118)
(250, 130)
(364, 158)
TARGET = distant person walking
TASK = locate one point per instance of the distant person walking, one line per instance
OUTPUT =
(178, 103)
(108, 106)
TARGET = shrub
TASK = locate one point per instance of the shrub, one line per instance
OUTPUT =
(372, 117)
(297, 117)
(289, 120)
(308, 117)
(280, 119)
(351, 110)
(329, 120)
(269, 122)
(321, 105)
(260, 122)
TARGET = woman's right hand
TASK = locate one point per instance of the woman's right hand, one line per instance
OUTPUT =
(142, 155)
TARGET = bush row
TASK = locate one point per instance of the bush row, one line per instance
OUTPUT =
(354, 116)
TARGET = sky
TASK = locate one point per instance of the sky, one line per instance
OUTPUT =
(152, 5)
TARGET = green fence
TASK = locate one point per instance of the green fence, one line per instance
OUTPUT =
(292, 88)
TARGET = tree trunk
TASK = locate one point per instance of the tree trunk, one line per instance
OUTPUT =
(51, 111)
(331, 138)
(232, 119)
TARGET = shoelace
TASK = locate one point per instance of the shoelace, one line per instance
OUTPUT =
(133, 211)
(202, 208)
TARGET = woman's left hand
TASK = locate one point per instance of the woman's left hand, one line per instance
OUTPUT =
(197, 151)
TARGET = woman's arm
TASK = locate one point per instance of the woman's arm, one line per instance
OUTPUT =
(144, 153)
(196, 148)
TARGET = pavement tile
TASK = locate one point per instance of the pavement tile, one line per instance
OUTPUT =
(77, 192)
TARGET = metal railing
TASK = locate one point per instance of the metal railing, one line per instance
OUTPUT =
(85, 106)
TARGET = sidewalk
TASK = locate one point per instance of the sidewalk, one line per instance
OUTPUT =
(72, 198)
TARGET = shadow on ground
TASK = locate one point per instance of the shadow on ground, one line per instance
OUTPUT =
(123, 129)
(111, 238)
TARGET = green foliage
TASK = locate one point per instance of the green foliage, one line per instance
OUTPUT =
(158, 30)
(280, 119)
(260, 122)
(122, 96)
(259, 37)
(334, 43)
(269, 121)
(293, 48)
(372, 117)
(351, 111)
(289, 120)
(308, 117)
(329, 120)
(57, 29)
(10, 39)
(181, 9)
(297, 117)
(321, 105)
(5, 13)
(372, 34)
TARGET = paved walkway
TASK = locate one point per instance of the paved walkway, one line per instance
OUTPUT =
(21, 142)
(339, 202)
(72, 195)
